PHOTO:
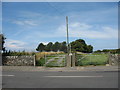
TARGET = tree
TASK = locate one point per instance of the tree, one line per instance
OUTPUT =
(41, 47)
(49, 46)
(63, 47)
(2, 41)
(90, 49)
(105, 50)
(56, 46)
(118, 50)
(80, 46)
(98, 51)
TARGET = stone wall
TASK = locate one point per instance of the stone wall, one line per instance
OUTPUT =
(114, 59)
(18, 60)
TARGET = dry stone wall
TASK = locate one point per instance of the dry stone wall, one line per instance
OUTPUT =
(114, 59)
(19, 60)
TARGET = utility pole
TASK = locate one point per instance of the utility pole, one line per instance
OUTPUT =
(67, 35)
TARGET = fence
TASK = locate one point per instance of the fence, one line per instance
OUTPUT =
(18, 60)
(63, 60)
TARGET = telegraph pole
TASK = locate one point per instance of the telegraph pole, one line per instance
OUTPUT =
(67, 35)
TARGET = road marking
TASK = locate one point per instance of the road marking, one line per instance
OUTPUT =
(72, 76)
(7, 75)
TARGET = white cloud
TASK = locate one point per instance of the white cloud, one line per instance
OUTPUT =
(20, 45)
(14, 44)
(45, 43)
(25, 22)
(87, 31)
(79, 30)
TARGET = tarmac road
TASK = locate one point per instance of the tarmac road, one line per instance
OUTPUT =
(57, 79)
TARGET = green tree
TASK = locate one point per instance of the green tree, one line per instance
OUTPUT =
(80, 46)
(105, 50)
(98, 51)
(49, 46)
(56, 46)
(118, 50)
(2, 41)
(89, 49)
(63, 47)
(41, 47)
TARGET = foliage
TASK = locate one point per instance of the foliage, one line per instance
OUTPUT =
(49, 46)
(40, 62)
(41, 47)
(80, 46)
(57, 46)
(89, 49)
(2, 41)
(15, 53)
(63, 47)
(112, 51)
(98, 51)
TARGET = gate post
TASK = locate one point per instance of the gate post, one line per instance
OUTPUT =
(34, 60)
(68, 58)
(73, 60)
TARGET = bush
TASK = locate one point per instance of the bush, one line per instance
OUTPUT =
(40, 62)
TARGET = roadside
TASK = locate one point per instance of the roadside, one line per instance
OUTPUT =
(66, 69)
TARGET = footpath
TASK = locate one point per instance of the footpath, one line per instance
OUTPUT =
(61, 69)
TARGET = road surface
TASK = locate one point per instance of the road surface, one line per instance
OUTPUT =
(60, 79)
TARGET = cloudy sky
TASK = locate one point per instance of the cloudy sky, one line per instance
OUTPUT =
(26, 24)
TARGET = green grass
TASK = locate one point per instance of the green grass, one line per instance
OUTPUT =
(92, 59)
(40, 62)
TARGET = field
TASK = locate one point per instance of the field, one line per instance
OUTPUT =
(91, 59)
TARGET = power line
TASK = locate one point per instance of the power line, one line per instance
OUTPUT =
(55, 8)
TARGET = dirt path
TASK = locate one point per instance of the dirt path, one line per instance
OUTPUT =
(58, 58)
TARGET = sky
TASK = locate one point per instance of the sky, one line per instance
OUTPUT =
(26, 24)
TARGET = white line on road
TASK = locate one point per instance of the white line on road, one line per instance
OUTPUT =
(7, 75)
(72, 76)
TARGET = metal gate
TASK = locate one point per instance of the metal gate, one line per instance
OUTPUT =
(57, 60)
(91, 59)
